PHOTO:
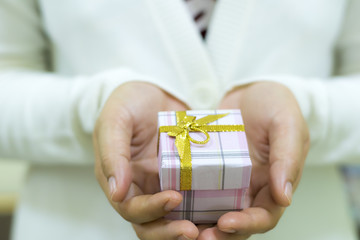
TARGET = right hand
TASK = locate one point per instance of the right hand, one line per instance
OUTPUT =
(125, 145)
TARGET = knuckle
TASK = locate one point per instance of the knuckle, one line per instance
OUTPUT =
(269, 228)
(128, 213)
(125, 215)
(100, 124)
(105, 161)
(139, 231)
(273, 221)
(98, 171)
(279, 156)
(272, 224)
(278, 120)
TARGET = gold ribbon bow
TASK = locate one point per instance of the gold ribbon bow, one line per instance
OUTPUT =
(186, 124)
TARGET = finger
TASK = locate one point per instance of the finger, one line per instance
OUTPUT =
(287, 155)
(261, 217)
(215, 234)
(113, 135)
(139, 208)
(147, 208)
(162, 229)
(203, 227)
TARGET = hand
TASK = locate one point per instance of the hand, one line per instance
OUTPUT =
(125, 143)
(278, 140)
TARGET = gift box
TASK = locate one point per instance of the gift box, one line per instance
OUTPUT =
(204, 155)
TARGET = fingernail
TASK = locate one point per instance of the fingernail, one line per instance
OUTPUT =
(288, 192)
(112, 186)
(183, 237)
(229, 230)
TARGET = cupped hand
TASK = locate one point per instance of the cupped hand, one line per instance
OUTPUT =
(278, 140)
(125, 144)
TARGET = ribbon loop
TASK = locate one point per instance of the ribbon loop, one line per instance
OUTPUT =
(195, 129)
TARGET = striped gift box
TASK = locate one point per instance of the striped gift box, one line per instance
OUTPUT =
(221, 168)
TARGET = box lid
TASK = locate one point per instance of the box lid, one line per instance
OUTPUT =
(222, 163)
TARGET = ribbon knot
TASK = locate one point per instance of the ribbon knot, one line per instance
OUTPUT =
(189, 124)
(181, 132)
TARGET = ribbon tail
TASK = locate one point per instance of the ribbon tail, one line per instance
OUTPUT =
(183, 145)
(180, 144)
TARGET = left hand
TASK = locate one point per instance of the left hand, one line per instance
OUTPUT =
(278, 140)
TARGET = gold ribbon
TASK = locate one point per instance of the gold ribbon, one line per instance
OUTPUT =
(186, 124)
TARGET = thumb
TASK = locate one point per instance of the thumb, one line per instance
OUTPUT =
(287, 154)
(114, 138)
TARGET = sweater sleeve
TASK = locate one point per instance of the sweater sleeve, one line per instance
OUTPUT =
(331, 106)
(45, 117)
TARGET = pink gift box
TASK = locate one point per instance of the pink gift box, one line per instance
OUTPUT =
(221, 168)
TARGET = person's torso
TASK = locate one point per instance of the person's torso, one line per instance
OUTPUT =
(244, 39)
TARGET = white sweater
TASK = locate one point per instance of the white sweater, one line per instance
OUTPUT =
(48, 111)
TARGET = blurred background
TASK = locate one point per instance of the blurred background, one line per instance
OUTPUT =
(13, 175)
(352, 184)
